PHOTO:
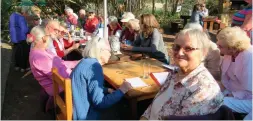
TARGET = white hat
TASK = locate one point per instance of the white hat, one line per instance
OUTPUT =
(127, 16)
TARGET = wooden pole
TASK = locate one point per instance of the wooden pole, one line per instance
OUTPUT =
(105, 24)
(153, 6)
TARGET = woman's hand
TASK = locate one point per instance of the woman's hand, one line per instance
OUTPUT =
(125, 87)
(75, 45)
(110, 90)
(143, 118)
(128, 47)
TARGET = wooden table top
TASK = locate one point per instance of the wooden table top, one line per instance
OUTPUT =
(116, 73)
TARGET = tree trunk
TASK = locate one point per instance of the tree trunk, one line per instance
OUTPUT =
(153, 6)
(166, 7)
(175, 7)
(221, 6)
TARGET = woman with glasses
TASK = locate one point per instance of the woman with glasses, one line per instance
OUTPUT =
(236, 69)
(92, 22)
(42, 60)
(89, 94)
(150, 40)
(191, 90)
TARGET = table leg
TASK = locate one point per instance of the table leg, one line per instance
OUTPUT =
(133, 106)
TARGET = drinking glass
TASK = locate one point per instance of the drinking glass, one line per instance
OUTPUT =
(145, 69)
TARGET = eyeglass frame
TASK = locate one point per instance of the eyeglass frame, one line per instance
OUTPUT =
(186, 49)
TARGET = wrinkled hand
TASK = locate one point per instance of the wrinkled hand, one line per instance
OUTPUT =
(125, 87)
(110, 90)
(127, 47)
(76, 45)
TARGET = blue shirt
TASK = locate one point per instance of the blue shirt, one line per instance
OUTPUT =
(88, 90)
(18, 28)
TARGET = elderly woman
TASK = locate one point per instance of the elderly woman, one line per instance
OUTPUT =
(236, 69)
(71, 16)
(126, 34)
(191, 90)
(113, 27)
(213, 58)
(134, 27)
(91, 24)
(62, 45)
(18, 29)
(150, 40)
(42, 61)
(87, 83)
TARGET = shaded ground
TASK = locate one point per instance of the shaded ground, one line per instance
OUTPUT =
(21, 100)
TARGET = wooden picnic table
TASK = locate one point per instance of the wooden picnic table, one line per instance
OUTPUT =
(115, 74)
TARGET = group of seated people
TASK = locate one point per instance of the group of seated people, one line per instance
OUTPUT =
(199, 87)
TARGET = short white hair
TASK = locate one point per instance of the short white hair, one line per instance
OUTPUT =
(38, 33)
(82, 11)
(94, 47)
(235, 38)
(68, 9)
(203, 41)
(112, 19)
(193, 26)
(135, 24)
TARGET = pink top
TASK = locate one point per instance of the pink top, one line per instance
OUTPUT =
(72, 19)
(237, 76)
(42, 62)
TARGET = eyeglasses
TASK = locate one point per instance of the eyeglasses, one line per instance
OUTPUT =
(177, 48)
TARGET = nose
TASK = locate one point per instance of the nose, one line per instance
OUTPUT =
(180, 51)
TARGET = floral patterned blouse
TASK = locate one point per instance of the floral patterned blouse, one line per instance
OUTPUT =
(194, 94)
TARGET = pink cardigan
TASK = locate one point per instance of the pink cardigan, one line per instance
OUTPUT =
(42, 62)
(241, 87)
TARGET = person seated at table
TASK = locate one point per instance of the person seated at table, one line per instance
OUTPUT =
(62, 45)
(113, 26)
(91, 23)
(52, 28)
(204, 10)
(71, 16)
(236, 68)
(82, 18)
(150, 40)
(134, 27)
(87, 83)
(126, 34)
(42, 61)
(213, 58)
(190, 90)
(197, 15)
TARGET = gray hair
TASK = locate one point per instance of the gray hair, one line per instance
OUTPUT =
(235, 38)
(193, 26)
(112, 19)
(68, 9)
(94, 48)
(37, 32)
(203, 41)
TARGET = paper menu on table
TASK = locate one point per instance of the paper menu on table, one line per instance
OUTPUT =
(159, 77)
(136, 82)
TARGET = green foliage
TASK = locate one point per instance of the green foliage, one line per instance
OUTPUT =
(213, 7)
(186, 6)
